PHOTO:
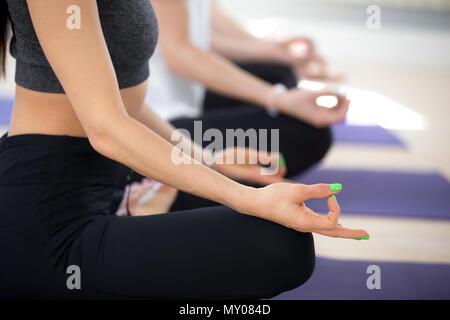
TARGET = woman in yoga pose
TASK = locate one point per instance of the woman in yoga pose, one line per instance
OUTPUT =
(81, 74)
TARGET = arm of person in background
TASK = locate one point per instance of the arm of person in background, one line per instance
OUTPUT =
(185, 59)
(219, 74)
(81, 61)
(232, 41)
(250, 169)
(222, 23)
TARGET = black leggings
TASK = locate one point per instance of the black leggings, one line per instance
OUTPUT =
(55, 196)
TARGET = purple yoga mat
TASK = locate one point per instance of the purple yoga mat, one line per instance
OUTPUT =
(372, 135)
(6, 106)
(424, 195)
(347, 279)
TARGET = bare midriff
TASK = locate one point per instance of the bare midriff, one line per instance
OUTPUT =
(49, 113)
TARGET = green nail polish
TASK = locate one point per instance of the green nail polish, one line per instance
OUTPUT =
(129, 174)
(336, 187)
(334, 197)
(282, 160)
(364, 238)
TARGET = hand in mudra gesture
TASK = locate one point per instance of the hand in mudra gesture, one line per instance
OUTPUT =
(256, 167)
(284, 203)
(302, 104)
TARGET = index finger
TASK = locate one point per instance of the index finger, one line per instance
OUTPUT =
(315, 221)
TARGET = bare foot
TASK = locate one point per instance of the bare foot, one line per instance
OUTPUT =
(146, 198)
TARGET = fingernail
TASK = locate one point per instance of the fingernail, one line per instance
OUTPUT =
(282, 160)
(334, 197)
(336, 187)
(363, 238)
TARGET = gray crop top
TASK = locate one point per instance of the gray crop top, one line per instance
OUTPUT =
(130, 30)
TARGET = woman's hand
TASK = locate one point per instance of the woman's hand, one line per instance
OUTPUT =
(316, 69)
(297, 52)
(146, 198)
(249, 165)
(284, 203)
(301, 55)
(301, 104)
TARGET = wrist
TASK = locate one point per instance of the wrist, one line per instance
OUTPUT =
(208, 158)
(242, 198)
(276, 53)
(274, 100)
(271, 52)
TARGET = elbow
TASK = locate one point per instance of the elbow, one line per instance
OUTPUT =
(176, 57)
(101, 139)
(173, 63)
(215, 43)
(98, 138)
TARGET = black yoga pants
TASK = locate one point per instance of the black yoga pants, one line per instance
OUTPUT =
(209, 253)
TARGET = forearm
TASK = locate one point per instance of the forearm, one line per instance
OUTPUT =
(147, 153)
(232, 41)
(243, 50)
(218, 74)
(222, 23)
(167, 131)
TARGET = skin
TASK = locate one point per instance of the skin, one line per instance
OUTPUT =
(160, 201)
(94, 107)
(229, 41)
(232, 41)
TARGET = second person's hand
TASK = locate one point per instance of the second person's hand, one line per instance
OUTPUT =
(249, 165)
(301, 104)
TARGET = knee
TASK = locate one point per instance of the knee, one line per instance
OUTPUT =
(323, 140)
(301, 260)
(307, 148)
(295, 261)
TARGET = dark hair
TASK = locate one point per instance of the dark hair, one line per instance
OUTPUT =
(4, 26)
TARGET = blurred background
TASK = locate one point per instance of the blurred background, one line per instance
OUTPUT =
(392, 155)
